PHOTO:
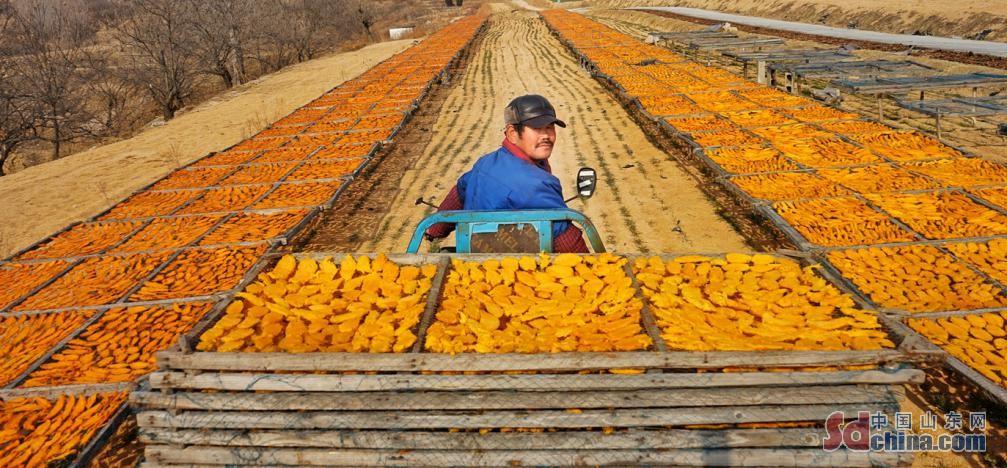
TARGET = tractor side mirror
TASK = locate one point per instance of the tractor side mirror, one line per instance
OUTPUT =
(587, 181)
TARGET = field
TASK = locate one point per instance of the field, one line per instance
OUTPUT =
(193, 234)
(649, 203)
(892, 238)
(976, 134)
(36, 199)
(964, 18)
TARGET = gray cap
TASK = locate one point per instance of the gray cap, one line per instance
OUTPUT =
(531, 110)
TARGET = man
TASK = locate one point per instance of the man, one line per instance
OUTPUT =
(517, 176)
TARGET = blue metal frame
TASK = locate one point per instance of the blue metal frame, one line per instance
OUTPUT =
(477, 222)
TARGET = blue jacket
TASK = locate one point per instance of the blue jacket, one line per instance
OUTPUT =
(503, 181)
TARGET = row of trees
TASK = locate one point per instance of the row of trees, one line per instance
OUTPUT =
(82, 70)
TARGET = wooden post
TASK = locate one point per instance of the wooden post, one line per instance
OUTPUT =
(760, 74)
(183, 344)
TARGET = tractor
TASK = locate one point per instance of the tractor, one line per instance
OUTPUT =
(511, 231)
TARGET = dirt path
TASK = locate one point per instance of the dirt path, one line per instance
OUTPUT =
(42, 199)
(645, 202)
(525, 5)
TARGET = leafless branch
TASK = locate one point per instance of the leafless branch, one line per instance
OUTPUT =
(157, 39)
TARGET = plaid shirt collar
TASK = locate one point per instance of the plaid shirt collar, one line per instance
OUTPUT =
(513, 149)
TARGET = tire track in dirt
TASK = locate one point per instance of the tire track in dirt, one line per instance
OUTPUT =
(586, 144)
(626, 159)
(570, 73)
(360, 209)
(443, 151)
(624, 121)
(645, 202)
(505, 60)
(589, 145)
(454, 152)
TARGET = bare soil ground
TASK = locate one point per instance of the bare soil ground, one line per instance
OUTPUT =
(525, 5)
(645, 201)
(550, 4)
(964, 18)
(977, 135)
(42, 199)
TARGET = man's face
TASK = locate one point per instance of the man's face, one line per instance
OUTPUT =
(537, 143)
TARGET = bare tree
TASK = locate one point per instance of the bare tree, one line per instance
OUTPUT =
(290, 31)
(102, 10)
(313, 32)
(222, 33)
(271, 48)
(62, 80)
(6, 19)
(157, 38)
(51, 37)
(365, 13)
(114, 96)
(17, 123)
